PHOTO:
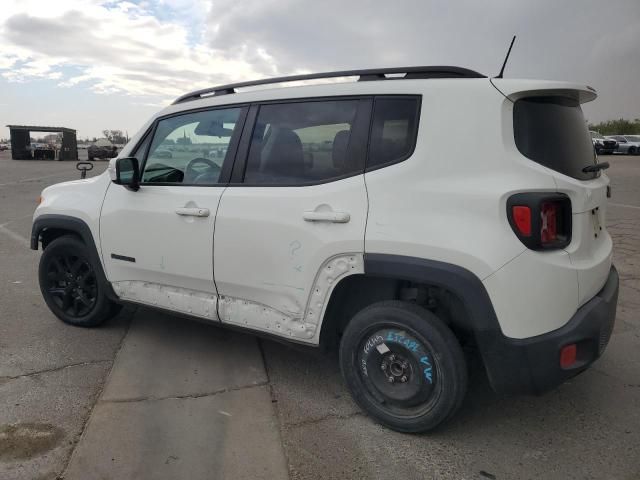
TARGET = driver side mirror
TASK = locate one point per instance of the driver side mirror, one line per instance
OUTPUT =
(128, 173)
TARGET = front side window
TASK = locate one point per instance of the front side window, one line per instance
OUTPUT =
(191, 148)
(302, 142)
(393, 131)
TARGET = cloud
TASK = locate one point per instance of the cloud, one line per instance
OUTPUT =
(164, 48)
(123, 49)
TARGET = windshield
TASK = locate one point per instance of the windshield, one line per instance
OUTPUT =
(552, 132)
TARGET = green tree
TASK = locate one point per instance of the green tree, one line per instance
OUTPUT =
(617, 127)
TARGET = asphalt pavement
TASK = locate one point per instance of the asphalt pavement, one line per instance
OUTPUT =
(155, 396)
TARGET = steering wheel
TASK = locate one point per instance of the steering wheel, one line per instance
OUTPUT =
(191, 175)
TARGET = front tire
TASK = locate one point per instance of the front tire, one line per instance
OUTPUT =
(69, 284)
(403, 366)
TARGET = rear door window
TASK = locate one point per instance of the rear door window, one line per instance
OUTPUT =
(552, 132)
(301, 143)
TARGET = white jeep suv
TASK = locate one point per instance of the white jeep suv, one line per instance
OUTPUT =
(354, 214)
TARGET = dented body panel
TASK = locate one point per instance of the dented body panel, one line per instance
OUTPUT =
(303, 326)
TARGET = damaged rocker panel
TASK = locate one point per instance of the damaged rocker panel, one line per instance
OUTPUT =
(302, 326)
(190, 302)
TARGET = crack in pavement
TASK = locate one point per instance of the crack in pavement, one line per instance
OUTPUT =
(276, 408)
(78, 439)
(54, 369)
(181, 397)
(330, 416)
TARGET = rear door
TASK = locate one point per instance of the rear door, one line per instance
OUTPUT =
(157, 242)
(292, 224)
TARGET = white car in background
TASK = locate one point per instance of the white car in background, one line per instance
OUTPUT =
(602, 145)
(627, 144)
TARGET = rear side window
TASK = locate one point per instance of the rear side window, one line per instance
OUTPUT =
(393, 130)
(302, 142)
(552, 132)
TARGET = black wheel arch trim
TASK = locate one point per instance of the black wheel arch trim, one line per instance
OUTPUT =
(79, 227)
(458, 280)
(481, 319)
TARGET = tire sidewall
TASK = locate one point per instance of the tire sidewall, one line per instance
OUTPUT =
(447, 355)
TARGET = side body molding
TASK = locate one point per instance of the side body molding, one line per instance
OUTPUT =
(77, 226)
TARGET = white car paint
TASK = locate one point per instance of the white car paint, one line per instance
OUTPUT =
(446, 203)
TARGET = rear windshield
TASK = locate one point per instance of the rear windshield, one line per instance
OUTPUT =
(552, 132)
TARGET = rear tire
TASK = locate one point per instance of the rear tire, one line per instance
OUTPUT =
(70, 286)
(403, 366)
(632, 151)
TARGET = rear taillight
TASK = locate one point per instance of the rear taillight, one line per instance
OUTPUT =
(541, 221)
(522, 219)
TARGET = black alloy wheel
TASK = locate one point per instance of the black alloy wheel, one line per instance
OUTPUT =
(70, 284)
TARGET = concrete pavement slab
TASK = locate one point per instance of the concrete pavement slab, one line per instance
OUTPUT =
(229, 435)
(307, 384)
(42, 417)
(164, 356)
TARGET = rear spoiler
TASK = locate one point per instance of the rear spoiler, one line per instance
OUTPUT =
(515, 89)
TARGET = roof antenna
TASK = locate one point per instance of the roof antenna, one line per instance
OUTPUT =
(506, 58)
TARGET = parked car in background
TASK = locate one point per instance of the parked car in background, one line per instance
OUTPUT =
(97, 151)
(627, 144)
(3, 146)
(163, 154)
(602, 145)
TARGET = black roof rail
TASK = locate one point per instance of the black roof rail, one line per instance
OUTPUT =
(364, 75)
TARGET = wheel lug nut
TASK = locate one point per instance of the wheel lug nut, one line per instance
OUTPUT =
(391, 379)
(403, 379)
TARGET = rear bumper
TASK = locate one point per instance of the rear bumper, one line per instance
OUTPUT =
(532, 365)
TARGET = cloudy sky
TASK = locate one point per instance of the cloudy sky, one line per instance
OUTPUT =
(94, 65)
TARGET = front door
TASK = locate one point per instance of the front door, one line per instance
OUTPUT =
(157, 242)
(293, 224)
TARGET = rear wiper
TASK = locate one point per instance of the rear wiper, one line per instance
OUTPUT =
(596, 167)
